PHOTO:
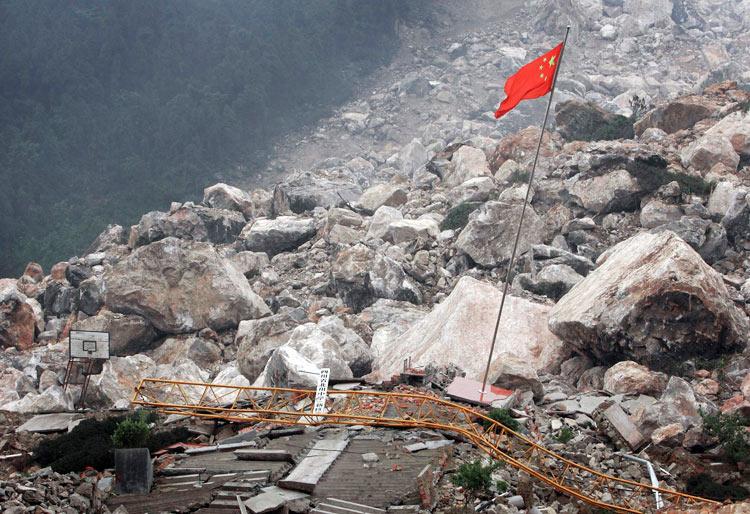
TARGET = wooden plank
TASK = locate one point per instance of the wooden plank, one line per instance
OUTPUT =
(310, 470)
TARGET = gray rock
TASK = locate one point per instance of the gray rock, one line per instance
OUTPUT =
(381, 220)
(413, 156)
(676, 405)
(281, 234)
(257, 339)
(488, 237)
(707, 238)
(376, 196)
(250, 264)
(90, 296)
(360, 275)
(402, 231)
(191, 222)
(656, 213)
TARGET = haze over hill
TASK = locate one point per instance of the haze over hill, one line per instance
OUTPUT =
(110, 109)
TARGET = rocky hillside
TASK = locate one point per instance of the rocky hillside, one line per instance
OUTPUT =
(632, 287)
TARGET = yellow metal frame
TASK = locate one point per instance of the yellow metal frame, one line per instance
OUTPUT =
(404, 410)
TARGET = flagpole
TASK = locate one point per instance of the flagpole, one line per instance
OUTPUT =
(523, 211)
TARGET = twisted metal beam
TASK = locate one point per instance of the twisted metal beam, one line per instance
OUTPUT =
(405, 410)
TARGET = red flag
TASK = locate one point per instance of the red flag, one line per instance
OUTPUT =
(531, 81)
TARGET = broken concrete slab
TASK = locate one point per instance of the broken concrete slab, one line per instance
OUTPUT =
(470, 391)
(272, 498)
(310, 470)
(624, 427)
(49, 423)
(263, 454)
(222, 447)
(427, 445)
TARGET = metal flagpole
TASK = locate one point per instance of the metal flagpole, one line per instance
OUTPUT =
(523, 211)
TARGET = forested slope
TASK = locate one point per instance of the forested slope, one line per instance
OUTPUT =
(110, 109)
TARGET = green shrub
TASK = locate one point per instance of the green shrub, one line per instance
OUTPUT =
(501, 486)
(730, 430)
(473, 476)
(705, 486)
(458, 216)
(131, 433)
(565, 435)
(503, 417)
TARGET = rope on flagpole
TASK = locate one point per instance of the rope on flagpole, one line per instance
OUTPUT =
(523, 212)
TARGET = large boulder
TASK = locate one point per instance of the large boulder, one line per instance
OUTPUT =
(203, 352)
(677, 404)
(652, 300)
(378, 195)
(381, 220)
(613, 191)
(488, 237)
(708, 151)
(193, 222)
(17, 318)
(223, 196)
(468, 163)
(257, 339)
(678, 114)
(323, 188)
(403, 231)
(628, 377)
(181, 286)
(360, 275)
(277, 235)
(459, 331)
(128, 333)
(413, 156)
(735, 128)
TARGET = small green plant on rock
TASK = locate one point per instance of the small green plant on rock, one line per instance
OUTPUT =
(504, 417)
(501, 486)
(565, 435)
(730, 430)
(131, 433)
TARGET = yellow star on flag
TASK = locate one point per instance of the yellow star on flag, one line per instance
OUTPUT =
(552, 61)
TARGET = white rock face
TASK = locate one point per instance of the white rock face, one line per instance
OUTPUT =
(459, 331)
(401, 231)
(468, 163)
(652, 300)
(723, 197)
(413, 156)
(52, 399)
(378, 195)
(223, 196)
(381, 220)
